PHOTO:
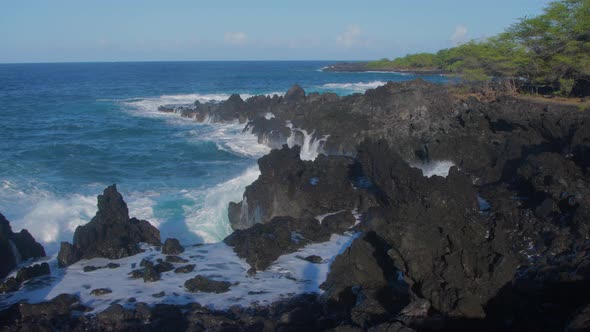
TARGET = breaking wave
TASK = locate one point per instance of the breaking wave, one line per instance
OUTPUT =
(354, 87)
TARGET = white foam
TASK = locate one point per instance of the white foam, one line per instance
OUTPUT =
(321, 217)
(15, 253)
(388, 72)
(288, 276)
(141, 205)
(440, 168)
(310, 147)
(227, 136)
(51, 219)
(148, 107)
(355, 87)
(231, 135)
(357, 216)
(209, 219)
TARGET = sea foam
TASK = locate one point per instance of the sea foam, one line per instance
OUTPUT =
(311, 146)
(354, 87)
(289, 275)
(48, 218)
(228, 136)
(209, 219)
(440, 168)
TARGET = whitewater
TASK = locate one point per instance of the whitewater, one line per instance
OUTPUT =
(70, 130)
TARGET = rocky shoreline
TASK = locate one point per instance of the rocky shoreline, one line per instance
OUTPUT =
(360, 67)
(498, 240)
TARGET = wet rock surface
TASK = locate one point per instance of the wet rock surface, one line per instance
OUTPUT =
(16, 247)
(176, 259)
(65, 313)
(297, 188)
(313, 259)
(363, 284)
(172, 247)
(57, 314)
(12, 284)
(100, 291)
(110, 233)
(150, 272)
(436, 220)
(185, 269)
(90, 268)
(204, 284)
(261, 244)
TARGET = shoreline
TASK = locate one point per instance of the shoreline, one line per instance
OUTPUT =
(361, 67)
(484, 225)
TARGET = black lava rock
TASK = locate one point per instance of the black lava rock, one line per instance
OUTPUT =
(175, 259)
(164, 267)
(100, 291)
(313, 259)
(110, 234)
(16, 247)
(185, 269)
(13, 284)
(172, 247)
(150, 274)
(204, 284)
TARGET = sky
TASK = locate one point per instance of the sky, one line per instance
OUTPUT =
(187, 30)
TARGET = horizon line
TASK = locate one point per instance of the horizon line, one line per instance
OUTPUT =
(159, 61)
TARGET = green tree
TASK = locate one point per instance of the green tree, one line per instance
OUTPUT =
(557, 42)
(550, 49)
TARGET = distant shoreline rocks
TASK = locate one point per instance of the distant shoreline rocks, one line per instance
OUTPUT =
(359, 67)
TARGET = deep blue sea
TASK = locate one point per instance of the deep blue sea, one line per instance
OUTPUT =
(69, 130)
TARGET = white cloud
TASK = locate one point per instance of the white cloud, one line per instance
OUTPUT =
(350, 37)
(235, 38)
(460, 35)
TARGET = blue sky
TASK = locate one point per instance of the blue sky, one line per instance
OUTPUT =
(131, 30)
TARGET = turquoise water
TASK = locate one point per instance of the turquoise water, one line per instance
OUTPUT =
(69, 130)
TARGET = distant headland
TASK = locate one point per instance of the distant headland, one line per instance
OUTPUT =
(546, 55)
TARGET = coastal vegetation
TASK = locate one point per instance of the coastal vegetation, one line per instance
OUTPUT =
(549, 53)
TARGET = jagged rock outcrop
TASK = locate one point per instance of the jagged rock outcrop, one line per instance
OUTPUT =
(295, 94)
(110, 233)
(421, 121)
(526, 162)
(12, 284)
(289, 186)
(408, 113)
(363, 284)
(261, 244)
(16, 247)
(53, 315)
(487, 138)
(437, 237)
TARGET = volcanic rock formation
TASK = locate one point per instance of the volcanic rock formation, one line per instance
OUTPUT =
(110, 233)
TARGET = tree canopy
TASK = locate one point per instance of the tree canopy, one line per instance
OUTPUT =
(551, 49)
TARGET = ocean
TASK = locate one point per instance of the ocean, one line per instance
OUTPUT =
(70, 129)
